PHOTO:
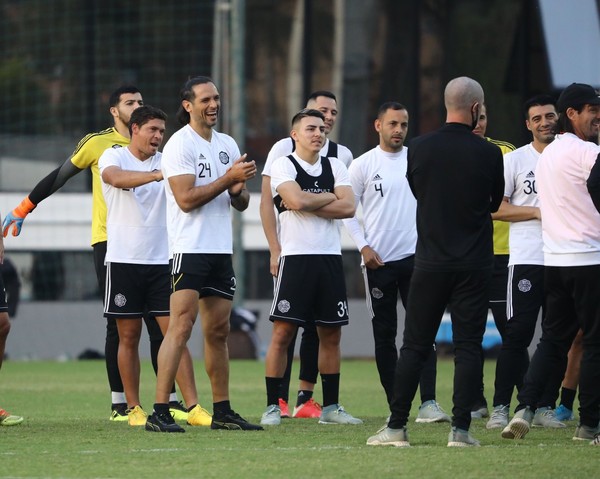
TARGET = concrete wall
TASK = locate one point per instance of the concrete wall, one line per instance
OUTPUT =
(62, 330)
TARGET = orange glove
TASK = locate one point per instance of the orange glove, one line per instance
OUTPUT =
(16, 217)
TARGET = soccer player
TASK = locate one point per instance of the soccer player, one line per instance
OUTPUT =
(306, 407)
(568, 185)
(137, 256)
(310, 193)
(206, 175)
(122, 102)
(6, 419)
(387, 245)
(497, 294)
(457, 179)
(520, 208)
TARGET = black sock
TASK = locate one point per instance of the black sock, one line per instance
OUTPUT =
(303, 396)
(331, 388)
(191, 407)
(221, 408)
(567, 397)
(273, 390)
(161, 408)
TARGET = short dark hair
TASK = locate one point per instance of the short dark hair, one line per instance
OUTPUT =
(142, 115)
(306, 112)
(537, 100)
(187, 93)
(315, 94)
(389, 105)
(115, 96)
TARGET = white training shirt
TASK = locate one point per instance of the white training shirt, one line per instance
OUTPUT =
(136, 217)
(525, 237)
(302, 232)
(206, 229)
(284, 148)
(571, 223)
(389, 207)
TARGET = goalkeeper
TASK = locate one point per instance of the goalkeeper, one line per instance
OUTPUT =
(122, 102)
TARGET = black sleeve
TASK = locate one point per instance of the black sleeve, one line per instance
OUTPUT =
(593, 183)
(498, 187)
(53, 181)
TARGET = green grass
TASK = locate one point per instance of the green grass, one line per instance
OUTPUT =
(66, 434)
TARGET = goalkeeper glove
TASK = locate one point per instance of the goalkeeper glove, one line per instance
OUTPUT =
(16, 217)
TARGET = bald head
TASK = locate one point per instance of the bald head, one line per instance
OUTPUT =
(463, 97)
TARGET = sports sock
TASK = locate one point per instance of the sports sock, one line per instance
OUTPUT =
(303, 396)
(273, 390)
(331, 388)
(161, 408)
(567, 397)
(118, 397)
(173, 397)
(221, 408)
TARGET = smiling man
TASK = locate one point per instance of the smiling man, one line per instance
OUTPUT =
(306, 407)
(310, 193)
(206, 176)
(571, 235)
(520, 208)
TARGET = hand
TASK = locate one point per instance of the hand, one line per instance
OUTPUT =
(274, 263)
(12, 219)
(242, 170)
(371, 258)
(16, 217)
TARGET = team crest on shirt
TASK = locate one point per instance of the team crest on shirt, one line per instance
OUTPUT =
(224, 157)
(283, 306)
(120, 300)
(524, 285)
(377, 293)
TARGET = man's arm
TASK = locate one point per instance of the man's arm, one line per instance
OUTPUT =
(497, 194)
(46, 187)
(295, 199)
(593, 183)
(514, 213)
(342, 207)
(241, 199)
(269, 224)
(189, 197)
(115, 176)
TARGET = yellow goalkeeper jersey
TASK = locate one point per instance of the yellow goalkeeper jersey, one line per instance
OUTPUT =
(86, 155)
(501, 227)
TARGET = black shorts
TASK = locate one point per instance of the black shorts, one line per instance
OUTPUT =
(209, 274)
(310, 288)
(134, 289)
(3, 304)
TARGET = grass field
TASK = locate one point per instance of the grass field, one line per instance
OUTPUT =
(66, 434)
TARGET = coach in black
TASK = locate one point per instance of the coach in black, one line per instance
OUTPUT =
(458, 181)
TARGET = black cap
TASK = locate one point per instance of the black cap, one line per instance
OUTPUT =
(576, 95)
